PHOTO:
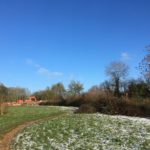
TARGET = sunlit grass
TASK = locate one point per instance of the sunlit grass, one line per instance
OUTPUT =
(99, 132)
(20, 115)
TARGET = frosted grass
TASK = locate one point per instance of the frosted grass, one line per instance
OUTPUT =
(87, 132)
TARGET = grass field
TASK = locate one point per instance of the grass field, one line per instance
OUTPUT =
(20, 115)
(86, 132)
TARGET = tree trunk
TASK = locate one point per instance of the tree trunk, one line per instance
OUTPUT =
(117, 91)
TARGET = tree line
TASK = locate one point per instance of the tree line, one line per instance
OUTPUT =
(116, 95)
(10, 94)
(117, 85)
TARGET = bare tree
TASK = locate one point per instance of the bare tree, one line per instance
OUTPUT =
(117, 70)
(16, 93)
(107, 86)
(144, 66)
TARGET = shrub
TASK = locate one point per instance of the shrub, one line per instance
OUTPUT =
(75, 101)
(86, 108)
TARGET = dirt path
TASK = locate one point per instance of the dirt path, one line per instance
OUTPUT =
(5, 142)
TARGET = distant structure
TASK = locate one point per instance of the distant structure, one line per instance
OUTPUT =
(31, 99)
(20, 101)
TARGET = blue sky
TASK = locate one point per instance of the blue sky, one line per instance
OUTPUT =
(43, 42)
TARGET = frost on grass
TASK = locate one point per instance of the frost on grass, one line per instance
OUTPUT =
(96, 132)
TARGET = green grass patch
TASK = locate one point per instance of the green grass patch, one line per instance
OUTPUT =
(81, 131)
(22, 114)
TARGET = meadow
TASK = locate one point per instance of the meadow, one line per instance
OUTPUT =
(85, 132)
(19, 115)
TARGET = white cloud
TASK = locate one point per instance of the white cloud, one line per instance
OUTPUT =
(125, 56)
(46, 72)
(42, 70)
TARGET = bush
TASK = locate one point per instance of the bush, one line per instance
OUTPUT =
(129, 108)
(86, 108)
(75, 101)
(104, 103)
(115, 106)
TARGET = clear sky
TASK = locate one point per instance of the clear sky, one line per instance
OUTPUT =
(43, 42)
